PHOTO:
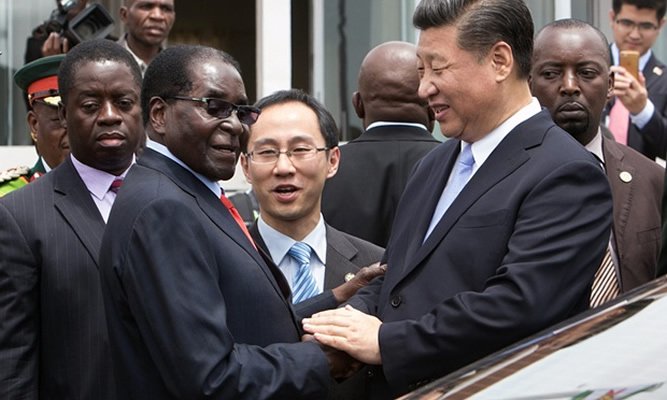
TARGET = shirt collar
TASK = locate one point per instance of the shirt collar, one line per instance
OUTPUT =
(97, 182)
(389, 123)
(142, 64)
(482, 149)
(162, 149)
(595, 146)
(279, 244)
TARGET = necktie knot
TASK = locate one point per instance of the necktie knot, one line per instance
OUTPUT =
(300, 252)
(115, 185)
(466, 158)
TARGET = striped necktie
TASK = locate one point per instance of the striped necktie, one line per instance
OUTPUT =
(303, 285)
(605, 285)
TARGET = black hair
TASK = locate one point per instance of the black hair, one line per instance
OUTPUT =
(327, 123)
(169, 74)
(92, 51)
(658, 5)
(481, 24)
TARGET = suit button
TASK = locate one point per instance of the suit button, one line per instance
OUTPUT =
(370, 373)
(396, 301)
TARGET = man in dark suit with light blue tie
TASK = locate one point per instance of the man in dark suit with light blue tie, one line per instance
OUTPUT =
(517, 248)
(289, 193)
(192, 307)
(53, 337)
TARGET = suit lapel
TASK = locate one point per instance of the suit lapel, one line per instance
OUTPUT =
(339, 253)
(72, 200)
(438, 177)
(622, 191)
(509, 155)
(210, 205)
(650, 71)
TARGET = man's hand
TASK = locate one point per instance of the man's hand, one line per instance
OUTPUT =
(341, 365)
(55, 44)
(630, 91)
(349, 330)
(343, 292)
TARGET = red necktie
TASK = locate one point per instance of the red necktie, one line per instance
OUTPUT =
(115, 185)
(237, 217)
(619, 121)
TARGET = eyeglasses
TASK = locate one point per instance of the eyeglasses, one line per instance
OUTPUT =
(222, 109)
(297, 154)
(631, 25)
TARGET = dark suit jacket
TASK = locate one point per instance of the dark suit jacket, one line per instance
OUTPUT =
(53, 337)
(515, 253)
(345, 254)
(361, 199)
(192, 307)
(637, 206)
(652, 139)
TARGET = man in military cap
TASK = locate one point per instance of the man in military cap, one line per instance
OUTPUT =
(39, 81)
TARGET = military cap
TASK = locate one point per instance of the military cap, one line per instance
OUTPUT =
(39, 79)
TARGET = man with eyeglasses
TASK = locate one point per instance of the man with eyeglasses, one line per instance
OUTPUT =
(288, 156)
(637, 116)
(193, 307)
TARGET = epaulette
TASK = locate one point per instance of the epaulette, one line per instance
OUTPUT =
(13, 173)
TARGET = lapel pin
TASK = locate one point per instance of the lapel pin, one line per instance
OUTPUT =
(657, 71)
(349, 276)
(625, 176)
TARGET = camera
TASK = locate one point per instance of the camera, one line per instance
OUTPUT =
(92, 22)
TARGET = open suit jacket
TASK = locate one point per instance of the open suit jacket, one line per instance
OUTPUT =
(53, 337)
(651, 140)
(362, 197)
(345, 254)
(192, 307)
(637, 206)
(515, 253)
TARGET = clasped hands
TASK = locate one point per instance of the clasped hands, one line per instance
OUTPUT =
(350, 331)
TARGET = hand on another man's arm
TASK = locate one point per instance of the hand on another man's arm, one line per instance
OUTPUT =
(349, 330)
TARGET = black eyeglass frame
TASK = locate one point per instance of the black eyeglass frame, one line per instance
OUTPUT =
(288, 153)
(247, 114)
(641, 26)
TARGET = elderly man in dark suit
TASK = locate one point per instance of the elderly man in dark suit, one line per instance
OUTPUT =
(192, 307)
(637, 115)
(500, 229)
(571, 78)
(361, 199)
(53, 336)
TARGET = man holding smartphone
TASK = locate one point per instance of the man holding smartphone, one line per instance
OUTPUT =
(637, 115)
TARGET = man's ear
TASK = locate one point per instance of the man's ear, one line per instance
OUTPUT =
(157, 115)
(33, 124)
(243, 159)
(502, 60)
(610, 89)
(358, 105)
(62, 115)
(123, 14)
(334, 161)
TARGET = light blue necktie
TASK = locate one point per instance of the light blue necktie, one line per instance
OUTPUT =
(460, 175)
(303, 285)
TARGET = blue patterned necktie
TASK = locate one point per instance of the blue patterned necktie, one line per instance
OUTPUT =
(460, 176)
(303, 285)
